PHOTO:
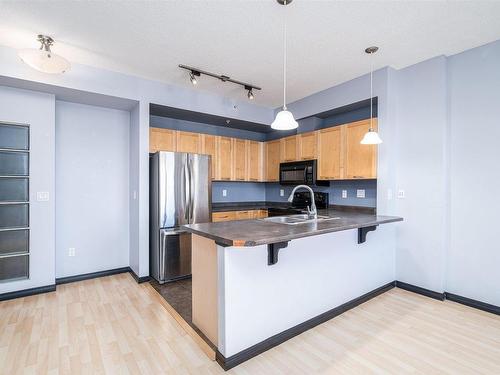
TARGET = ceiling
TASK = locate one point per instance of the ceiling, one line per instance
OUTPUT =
(243, 39)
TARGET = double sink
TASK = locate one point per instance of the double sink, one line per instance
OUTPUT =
(298, 219)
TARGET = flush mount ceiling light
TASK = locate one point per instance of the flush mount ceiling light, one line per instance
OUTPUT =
(371, 137)
(195, 72)
(284, 119)
(43, 59)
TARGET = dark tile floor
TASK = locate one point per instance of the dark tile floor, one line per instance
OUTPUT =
(178, 295)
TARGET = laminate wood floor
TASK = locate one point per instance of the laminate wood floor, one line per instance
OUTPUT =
(113, 325)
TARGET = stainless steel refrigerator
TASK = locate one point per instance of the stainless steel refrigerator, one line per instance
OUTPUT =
(180, 193)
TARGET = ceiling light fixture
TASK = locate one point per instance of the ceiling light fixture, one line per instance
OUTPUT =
(284, 119)
(371, 137)
(195, 72)
(43, 59)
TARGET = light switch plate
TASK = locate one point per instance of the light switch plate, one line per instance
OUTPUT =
(71, 252)
(344, 193)
(42, 196)
(401, 194)
(360, 193)
(224, 192)
(282, 192)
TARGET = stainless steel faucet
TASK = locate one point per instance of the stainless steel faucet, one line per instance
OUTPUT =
(312, 212)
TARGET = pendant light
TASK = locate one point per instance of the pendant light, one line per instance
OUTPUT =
(43, 59)
(284, 119)
(371, 137)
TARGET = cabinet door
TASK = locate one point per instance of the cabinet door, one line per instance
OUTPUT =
(188, 142)
(240, 159)
(224, 158)
(330, 153)
(208, 147)
(223, 216)
(254, 161)
(308, 146)
(360, 160)
(273, 160)
(289, 149)
(161, 139)
(244, 215)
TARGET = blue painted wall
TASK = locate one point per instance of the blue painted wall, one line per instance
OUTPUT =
(238, 191)
(335, 192)
(259, 191)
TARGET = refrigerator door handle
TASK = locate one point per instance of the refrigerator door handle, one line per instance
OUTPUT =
(187, 191)
(191, 190)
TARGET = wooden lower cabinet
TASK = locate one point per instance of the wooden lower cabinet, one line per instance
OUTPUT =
(238, 215)
(360, 161)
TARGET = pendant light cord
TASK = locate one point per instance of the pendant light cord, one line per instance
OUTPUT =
(284, 60)
(371, 91)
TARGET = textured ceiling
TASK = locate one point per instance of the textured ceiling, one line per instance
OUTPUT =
(243, 39)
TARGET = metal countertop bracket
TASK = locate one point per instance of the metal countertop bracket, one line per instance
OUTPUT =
(362, 232)
(273, 250)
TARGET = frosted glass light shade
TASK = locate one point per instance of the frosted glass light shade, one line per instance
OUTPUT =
(44, 61)
(284, 121)
(371, 138)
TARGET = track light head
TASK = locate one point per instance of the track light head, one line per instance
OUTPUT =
(250, 92)
(192, 76)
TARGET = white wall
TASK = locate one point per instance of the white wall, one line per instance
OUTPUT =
(313, 275)
(420, 144)
(92, 185)
(474, 254)
(38, 110)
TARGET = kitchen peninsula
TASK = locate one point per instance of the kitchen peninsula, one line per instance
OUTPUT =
(257, 283)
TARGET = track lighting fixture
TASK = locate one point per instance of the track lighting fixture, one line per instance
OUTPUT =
(195, 72)
(43, 59)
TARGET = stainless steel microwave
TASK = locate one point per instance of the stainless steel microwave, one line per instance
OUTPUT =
(300, 172)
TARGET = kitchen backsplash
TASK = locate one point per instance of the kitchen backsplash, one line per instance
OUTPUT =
(258, 191)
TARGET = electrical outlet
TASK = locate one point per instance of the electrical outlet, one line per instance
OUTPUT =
(360, 193)
(224, 192)
(401, 194)
(134, 194)
(71, 252)
(344, 193)
(282, 192)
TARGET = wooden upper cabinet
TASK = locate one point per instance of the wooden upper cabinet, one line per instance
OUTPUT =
(272, 157)
(188, 142)
(239, 159)
(254, 161)
(224, 158)
(161, 139)
(360, 160)
(308, 146)
(330, 153)
(289, 148)
(208, 147)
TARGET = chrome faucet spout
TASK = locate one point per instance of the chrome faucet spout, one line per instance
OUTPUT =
(311, 211)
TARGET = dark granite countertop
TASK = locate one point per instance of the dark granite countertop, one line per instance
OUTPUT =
(261, 232)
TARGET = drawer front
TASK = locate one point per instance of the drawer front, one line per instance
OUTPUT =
(223, 216)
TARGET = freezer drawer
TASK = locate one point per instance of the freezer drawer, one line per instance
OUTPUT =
(174, 257)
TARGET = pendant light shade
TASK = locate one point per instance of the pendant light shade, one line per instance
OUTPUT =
(43, 59)
(284, 119)
(371, 137)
